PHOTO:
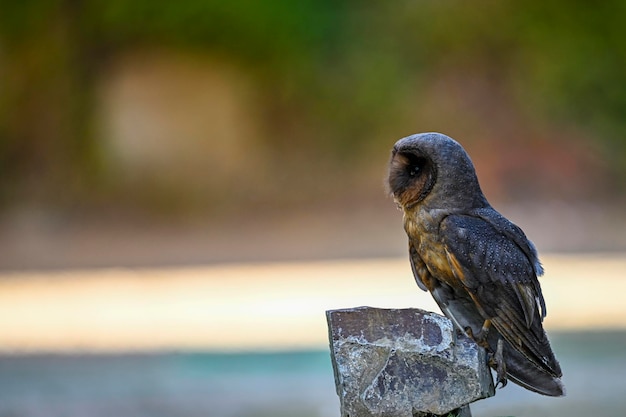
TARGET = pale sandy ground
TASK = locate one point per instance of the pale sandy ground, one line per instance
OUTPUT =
(258, 306)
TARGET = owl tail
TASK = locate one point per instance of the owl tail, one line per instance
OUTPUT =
(528, 375)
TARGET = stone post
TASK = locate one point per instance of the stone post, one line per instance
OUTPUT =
(404, 363)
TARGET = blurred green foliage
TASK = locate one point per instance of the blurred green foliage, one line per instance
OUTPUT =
(347, 71)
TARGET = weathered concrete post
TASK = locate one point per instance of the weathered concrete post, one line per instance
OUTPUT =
(404, 363)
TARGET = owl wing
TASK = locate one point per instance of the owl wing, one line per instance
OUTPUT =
(500, 276)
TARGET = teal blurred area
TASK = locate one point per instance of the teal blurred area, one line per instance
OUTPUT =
(261, 384)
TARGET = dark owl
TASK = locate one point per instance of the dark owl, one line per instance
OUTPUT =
(479, 267)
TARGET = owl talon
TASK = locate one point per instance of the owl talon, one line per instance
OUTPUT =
(496, 361)
(481, 337)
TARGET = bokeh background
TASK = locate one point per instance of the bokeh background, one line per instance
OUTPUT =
(186, 187)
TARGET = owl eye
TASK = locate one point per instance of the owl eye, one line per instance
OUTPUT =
(415, 166)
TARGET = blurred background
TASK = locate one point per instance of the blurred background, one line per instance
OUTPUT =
(186, 187)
